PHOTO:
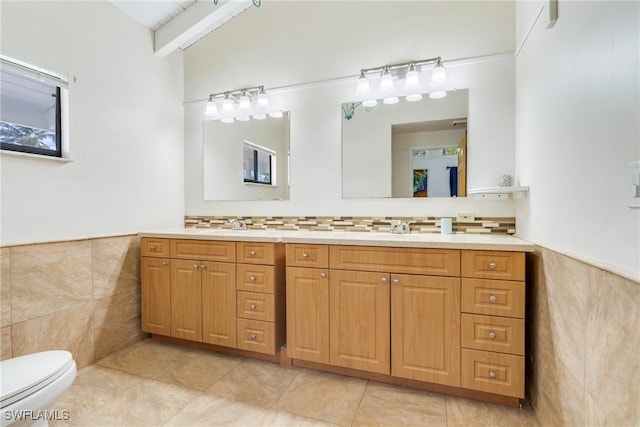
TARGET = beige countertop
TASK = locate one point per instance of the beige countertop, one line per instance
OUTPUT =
(499, 242)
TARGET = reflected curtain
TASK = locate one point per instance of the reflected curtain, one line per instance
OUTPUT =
(453, 181)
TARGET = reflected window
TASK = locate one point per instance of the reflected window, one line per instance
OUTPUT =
(257, 164)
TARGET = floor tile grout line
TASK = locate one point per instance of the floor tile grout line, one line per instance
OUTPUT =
(284, 390)
(355, 414)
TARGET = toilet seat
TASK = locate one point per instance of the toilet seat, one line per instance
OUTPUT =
(25, 375)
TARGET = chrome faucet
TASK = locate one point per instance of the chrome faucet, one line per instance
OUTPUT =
(400, 227)
(238, 224)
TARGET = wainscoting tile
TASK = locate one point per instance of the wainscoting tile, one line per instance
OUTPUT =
(70, 329)
(612, 369)
(5, 343)
(5, 287)
(49, 277)
(116, 323)
(116, 265)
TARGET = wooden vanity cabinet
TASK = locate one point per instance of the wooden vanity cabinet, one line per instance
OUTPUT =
(221, 293)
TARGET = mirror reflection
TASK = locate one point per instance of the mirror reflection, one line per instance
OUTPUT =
(406, 150)
(246, 160)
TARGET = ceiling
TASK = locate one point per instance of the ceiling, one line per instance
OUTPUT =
(180, 23)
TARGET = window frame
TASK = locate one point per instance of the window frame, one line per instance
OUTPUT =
(257, 151)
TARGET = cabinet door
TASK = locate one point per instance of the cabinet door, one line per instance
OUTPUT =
(359, 320)
(186, 300)
(156, 296)
(219, 303)
(425, 328)
(308, 314)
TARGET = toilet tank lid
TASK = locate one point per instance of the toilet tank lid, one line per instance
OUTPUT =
(32, 371)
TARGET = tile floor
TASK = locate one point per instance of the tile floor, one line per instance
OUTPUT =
(153, 383)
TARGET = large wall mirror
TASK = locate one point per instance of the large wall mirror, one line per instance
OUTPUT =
(246, 160)
(408, 149)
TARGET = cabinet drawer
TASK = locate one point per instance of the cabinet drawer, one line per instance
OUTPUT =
(493, 372)
(495, 297)
(302, 255)
(439, 262)
(256, 306)
(493, 265)
(256, 253)
(154, 247)
(255, 278)
(254, 335)
(206, 250)
(492, 333)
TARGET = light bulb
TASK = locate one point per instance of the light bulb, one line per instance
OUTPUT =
(212, 108)
(412, 80)
(391, 100)
(370, 103)
(245, 101)
(437, 94)
(386, 83)
(260, 116)
(263, 99)
(243, 118)
(413, 97)
(438, 77)
(276, 114)
(363, 89)
(227, 104)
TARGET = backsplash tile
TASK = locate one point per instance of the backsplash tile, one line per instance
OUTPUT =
(482, 225)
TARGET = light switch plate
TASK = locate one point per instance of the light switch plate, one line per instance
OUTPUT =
(634, 174)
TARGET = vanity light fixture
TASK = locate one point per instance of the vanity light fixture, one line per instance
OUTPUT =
(241, 105)
(412, 88)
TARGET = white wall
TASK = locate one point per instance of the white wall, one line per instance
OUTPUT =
(309, 41)
(126, 131)
(577, 130)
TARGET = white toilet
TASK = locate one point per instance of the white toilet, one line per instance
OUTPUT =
(30, 385)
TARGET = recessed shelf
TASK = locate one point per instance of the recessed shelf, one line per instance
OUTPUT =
(499, 193)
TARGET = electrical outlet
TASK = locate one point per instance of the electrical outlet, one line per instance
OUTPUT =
(465, 216)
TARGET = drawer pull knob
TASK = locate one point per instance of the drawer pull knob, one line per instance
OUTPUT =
(305, 255)
(165, 263)
(492, 335)
(254, 336)
(152, 248)
(384, 280)
(323, 275)
(492, 265)
(396, 281)
(196, 266)
(252, 253)
(252, 306)
(203, 266)
(493, 298)
(252, 278)
(492, 374)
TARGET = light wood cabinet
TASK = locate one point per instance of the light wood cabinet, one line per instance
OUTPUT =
(425, 328)
(198, 290)
(308, 314)
(359, 320)
(441, 319)
(156, 295)
(219, 303)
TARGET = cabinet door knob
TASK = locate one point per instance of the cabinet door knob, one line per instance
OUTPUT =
(384, 280)
(396, 281)
(492, 374)
(305, 255)
(165, 263)
(252, 306)
(492, 265)
(252, 253)
(492, 335)
(196, 266)
(254, 336)
(202, 266)
(493, 298)
(323, 275)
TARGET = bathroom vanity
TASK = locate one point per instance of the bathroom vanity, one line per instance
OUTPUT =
(442, 313)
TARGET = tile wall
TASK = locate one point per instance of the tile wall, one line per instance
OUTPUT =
(584, 339)
(82, 296)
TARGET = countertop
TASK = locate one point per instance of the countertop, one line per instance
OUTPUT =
(500, 242)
